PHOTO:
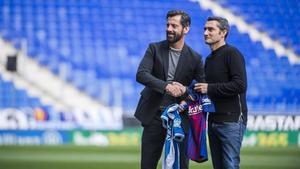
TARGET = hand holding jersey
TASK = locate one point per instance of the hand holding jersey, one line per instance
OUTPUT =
(201, 87)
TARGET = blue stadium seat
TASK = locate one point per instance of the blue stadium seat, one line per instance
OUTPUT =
(11, 97)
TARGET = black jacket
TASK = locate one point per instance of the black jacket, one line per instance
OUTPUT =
(152, 73)
(225, 71)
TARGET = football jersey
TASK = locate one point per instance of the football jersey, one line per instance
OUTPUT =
(172, 122)
(198, 106)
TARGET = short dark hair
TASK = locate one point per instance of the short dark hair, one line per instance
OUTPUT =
(185, 18)
(223, 23)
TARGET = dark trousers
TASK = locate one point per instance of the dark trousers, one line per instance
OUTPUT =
(153, 139)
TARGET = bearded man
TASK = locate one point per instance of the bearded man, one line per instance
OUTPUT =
(166, 69)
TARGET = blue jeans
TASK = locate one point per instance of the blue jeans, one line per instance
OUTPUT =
(225, 140)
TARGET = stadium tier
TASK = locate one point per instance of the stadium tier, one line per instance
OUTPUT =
(279, 19)
(97, 45)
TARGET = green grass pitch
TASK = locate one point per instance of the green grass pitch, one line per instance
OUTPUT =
(80, 157)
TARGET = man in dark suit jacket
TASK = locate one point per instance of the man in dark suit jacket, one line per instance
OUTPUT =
(167, 67)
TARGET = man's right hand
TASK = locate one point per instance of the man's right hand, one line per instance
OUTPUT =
(175, 89)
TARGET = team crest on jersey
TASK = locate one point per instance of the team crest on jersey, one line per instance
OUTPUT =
(195, 108)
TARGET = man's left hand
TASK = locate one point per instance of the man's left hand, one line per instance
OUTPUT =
(201, 87)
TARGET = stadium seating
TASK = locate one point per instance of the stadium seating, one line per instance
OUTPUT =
(279, 19)
(97, 45)
(11, 97)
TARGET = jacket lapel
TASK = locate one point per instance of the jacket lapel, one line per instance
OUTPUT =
(180, 65)
(165, 55)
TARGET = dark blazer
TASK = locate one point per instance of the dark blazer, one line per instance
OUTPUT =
(153, 71)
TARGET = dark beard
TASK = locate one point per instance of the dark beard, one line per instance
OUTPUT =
(175, 38)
